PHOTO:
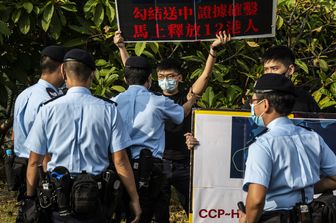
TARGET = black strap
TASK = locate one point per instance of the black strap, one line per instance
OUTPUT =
(255, 137)
(106, 99)
(52, 99)
(303, 196)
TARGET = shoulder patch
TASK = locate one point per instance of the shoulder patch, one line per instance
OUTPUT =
(255, 137)
(106, 99)
(52, 99)
(51, 92)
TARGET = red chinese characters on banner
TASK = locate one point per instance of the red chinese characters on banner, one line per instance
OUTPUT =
(175, 21)
(162, 13)
(227, 10)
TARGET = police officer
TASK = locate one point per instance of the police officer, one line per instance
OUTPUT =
(145, 114)
(28, 103)
(80, 131)
(176, 158)
(281, 60)
(285, 163)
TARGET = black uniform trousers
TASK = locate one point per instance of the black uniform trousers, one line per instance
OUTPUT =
(152, 197)
(178, 176)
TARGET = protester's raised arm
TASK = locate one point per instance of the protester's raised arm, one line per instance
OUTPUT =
(119, 42)
(201, 83)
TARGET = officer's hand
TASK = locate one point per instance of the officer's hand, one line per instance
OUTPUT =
(135, 206)
(242, 217)
(222, 38)
(29, 210)
(118, 39)
(191, 141)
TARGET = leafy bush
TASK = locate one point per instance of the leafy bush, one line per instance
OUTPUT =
(26, 26)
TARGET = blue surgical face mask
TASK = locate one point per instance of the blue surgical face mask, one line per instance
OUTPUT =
(257, 119)
(168, 84)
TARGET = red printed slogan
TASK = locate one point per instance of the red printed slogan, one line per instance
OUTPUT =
(192, 20)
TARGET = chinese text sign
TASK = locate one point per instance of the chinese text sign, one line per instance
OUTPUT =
(194, 20)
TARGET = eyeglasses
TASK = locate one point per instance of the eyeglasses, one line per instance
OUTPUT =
(169, 76)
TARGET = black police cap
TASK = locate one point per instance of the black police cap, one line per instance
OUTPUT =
(80, 56)
(274, 83)
(138, 62)
(54, 52)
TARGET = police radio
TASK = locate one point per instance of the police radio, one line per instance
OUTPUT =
(46, 189)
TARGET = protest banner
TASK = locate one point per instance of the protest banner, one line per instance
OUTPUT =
(194, 20)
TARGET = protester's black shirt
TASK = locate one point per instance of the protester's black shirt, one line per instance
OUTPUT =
(176, 148)
(304, 102)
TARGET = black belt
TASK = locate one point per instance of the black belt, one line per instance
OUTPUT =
(155, 160)
(290, 215)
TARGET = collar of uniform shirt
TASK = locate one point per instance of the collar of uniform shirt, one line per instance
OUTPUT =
(46, 84)
(82, 90)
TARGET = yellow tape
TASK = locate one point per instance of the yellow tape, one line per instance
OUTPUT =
(219, 112)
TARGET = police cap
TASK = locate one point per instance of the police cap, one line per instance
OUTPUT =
(138, 62)
(80, 56)
(54, 52)
(274, 83)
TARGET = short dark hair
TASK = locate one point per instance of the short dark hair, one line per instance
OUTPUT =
(78, 70)
(279, 53)
(169, 64)
(136, 75)
(48, 65)
(281, 102)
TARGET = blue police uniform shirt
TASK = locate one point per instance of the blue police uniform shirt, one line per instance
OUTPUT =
(144, 114)
(78, 130)
(286, 159)
(26, 107)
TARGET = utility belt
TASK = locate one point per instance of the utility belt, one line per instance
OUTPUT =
(146, 168)
(15, 168)
(282, 216)
(83, 195)
(301, 213)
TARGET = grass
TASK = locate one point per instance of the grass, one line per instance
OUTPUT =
(9, 206)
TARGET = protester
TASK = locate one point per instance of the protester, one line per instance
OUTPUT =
(145, 114)
(281, 60)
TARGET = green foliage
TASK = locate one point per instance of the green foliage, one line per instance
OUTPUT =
(26, 26)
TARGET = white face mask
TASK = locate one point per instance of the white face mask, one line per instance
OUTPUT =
(257, 119)
(168, 84)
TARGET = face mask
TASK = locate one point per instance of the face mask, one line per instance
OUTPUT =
(168, 84)
(257, 119)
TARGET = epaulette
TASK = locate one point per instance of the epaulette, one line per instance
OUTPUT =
(106, 99)
(305, 127)
(51, 92)
(255, 137)
(52, 99)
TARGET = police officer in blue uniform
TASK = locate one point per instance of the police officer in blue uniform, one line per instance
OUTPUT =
(27, 105)
(80, 132)
(145, 114)
(287, 164)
